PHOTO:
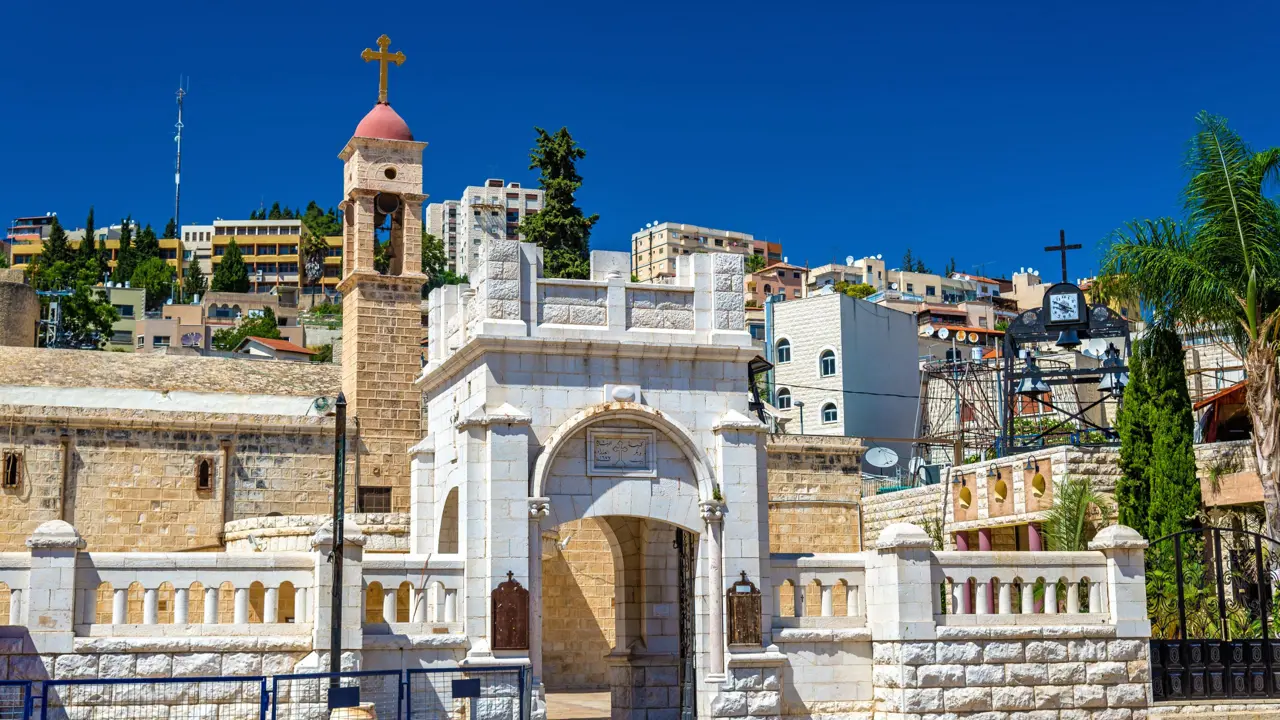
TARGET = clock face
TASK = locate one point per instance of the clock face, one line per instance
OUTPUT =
(1064, 308)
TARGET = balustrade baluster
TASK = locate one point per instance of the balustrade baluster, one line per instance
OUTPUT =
(180, 608)
(828, 602)
(211, 605)
(1095, 597)
(120, 606)
(852, 598)
(271, 605)
(389, 605)
(418, 604)
(1073, 597)
(301, 605)
(984, 597)
(1028, 590)
(150, 614)
(1006, 598)
(1051, 597)
(450, 606)
(241, 614)
(958, 593)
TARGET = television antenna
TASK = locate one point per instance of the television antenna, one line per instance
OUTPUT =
(177, 165)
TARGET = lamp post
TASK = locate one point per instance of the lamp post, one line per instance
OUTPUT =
(339, 494)
(800, 406)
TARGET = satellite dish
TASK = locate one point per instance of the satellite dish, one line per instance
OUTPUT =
(848, 259)
(879, 257)
(943, 334)
(962, 336)
(648, 225)
(915, 465)
(881, 457)
(893, 286)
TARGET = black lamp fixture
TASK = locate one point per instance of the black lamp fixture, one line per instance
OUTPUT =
(1115, 380)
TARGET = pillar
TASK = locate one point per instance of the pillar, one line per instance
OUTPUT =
(1126, 598)
(271, 605)
(899, 611)
(851, 600)
(301, 605)
(241, 614)
(984, 539)
(450, 605)
(50, 596)
(1035, 543)
(211, 605)
(539, 508)
(962, 541)
(150, 615)
(1028, 597)
(1006, 599)
(713, 518)
(120, 606)
(180, 606)
(417, 605)
(389, 604)
(352, 632)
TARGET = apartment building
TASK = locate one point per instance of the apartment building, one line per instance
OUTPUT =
(191, 326)
(869, 270)
(844, 366)
(654, 249)
(197, 243)
(779, 278)
(25, 230)
(271, 251)
(24, 252)
(493, 210)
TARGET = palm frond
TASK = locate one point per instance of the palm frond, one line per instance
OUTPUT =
(1077, 513)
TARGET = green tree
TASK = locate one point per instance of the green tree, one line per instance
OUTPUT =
(126, 258)
(275, 212)
(170, 229)
(147, 245)
(324, 353)
(263, 326)
(754, 263)
(157, 277)
(56, 248)
(53, 268)
(4, 260)
(1078, 512)
(908, 261)
(194, 282)
(920, 266)
(857, 290)
(89, 257)
(1217, 269)
(435, 265)
(87, 315)
(231, 275)
(560, 227)
(950, 269)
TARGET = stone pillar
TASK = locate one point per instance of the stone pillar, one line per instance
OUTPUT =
(241, 606)
(211, 605)
(271, 605)
(352, 591)
(422, 461)
(150, 614)
(900, 594)
(180, 605)
(120, 606)
(984, 539)
(301, 605)
(539, 508)
(51, 587)
(962, 541)
(1126, 580)
(389, 604)
(713, 518)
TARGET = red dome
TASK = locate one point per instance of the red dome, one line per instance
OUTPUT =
(383, 123)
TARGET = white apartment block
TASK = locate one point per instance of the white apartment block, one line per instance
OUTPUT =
(197, 246)
(869, 270)
(492, 211)
(654, 248)
(847, 366)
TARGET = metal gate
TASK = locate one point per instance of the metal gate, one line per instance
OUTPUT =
(1210, 597)
(687, 561)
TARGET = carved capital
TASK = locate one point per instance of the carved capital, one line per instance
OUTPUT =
(539, 508)
(712, 511)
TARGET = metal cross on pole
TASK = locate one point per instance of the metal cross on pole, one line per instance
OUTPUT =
(1063, 247)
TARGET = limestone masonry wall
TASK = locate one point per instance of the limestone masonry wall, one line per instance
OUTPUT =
(577, 606)
(815, 486)
(917, 506)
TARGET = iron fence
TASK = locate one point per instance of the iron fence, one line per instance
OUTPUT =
(497, 692)
(337, 696)
(193, 698)
(15, 699)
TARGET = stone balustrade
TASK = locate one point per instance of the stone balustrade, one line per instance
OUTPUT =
(824, 585)
(417, 589)
(1050, 587)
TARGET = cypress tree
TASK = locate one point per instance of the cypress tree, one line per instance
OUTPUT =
(560, 228)
(275, 212)
(88, 257)
(56, 248)
(193, 282)
(126, 259)
(231, 275)
(147, 246)
(1159, 493)
(170, 229)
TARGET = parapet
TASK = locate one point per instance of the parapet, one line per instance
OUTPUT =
(509, 297)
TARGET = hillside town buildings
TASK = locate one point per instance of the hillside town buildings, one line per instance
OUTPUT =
(492, 211)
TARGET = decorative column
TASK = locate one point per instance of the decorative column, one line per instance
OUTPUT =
(539, 508)
(1126, 580)
(352, 591)
(713, 518)
(984, 539)
(1034, 542)
(962, 541)
(150, 614)
(211, 605)
(271, 605)
(50, 594)
(180, 606)
(900, 614)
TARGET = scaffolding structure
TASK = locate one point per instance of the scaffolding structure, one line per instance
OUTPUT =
(960, 401)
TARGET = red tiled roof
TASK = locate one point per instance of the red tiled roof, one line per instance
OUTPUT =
(280, 345)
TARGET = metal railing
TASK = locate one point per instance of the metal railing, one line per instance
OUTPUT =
(445, 693)
(15, 699)
(188, 698)
(316, 696)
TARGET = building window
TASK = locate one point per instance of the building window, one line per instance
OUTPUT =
(827, 363)
(12, 469)
(795, 275)
(204, 474)
(930, 290)
(121, 337)
(911, 287)
(829, 414)
(126, 311)
(160, 341)
(142, 340)
(373, 500)
(783, 353)
(784, 399)
(768, 289)
(795, 292)
(982, 322)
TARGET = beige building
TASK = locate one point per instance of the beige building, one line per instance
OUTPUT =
(197, 245)
(654, 249)
(869, 270)
(271, 251)
(191, 326)
(131, 304)
(490, 211)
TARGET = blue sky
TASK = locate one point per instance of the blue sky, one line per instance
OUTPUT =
(966, 129)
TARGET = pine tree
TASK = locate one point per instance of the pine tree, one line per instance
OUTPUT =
(170, 229)
(231, 275)
(53, 267)
(951, 268)
(560, 227)
(193, 282)
(908, 262)
(147, 245)
(921, 267)
(1158, 493)
(126, 258)
(56, 247)
(275, 212)
(88, 256)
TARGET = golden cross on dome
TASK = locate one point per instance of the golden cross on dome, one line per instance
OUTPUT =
(383, 57)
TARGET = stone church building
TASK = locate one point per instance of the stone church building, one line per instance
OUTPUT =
(569, 481)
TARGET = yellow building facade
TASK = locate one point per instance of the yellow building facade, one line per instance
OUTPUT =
(272, 251)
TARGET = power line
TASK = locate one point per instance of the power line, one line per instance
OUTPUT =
(850, 392)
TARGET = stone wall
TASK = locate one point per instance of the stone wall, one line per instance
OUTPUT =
(21, 310)
(577, 606)
(918, 506)
(815, 486)
(127, 480)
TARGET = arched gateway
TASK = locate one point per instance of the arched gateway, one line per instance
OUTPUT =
(613, 416)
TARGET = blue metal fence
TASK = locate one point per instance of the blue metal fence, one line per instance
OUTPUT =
(483, 692)
(315, 696)
(193, 698)
(15, 699)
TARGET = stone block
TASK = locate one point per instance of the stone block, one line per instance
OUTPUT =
(1086, 650)
(1125, 650)
(1106, 673)
(1013, 698)
(661, 676)
(763, 703)
(1089, 696)
(1068, 673)
(964, 653)
(917, 653)
(76, 667)
(983, 675)
(1003, 652)
(769, 679)
(31, 667)
(150, 665)
(241, 664)
(1046, 651)
(1034, 715)
(196, 664)
(1052, 697)
(1139, 671)
(117, 666)
(942, 676)
(729, 704)
(967, 699)
(1027, 673)
(1112, 714)
(894, 676)
(922, 700)
(1127, 695)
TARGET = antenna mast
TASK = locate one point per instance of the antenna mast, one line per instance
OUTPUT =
(177, 166)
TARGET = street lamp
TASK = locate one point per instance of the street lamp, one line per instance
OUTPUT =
(800, 405)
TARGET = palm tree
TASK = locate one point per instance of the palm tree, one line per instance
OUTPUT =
(1217, 269)
(1078, 512)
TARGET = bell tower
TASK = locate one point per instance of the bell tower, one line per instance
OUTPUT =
(381, 294)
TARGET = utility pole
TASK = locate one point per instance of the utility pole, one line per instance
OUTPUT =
(177, 167)
(339, 493)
